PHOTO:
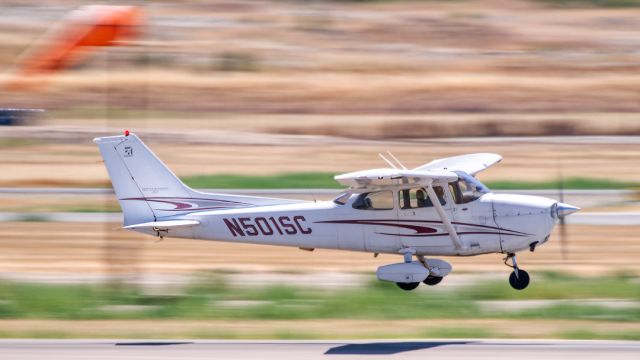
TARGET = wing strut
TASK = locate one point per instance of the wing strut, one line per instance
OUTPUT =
(445, 220)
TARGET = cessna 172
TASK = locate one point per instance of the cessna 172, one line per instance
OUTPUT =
(437, 209)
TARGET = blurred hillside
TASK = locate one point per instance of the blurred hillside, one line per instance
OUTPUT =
(328, 57)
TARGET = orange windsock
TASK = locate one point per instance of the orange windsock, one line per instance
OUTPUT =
(75, 36)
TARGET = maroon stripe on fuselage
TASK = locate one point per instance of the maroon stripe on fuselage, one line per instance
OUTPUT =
(385, 222)
(417, 228)
(155, 198)
(459, 233)
(191, 204)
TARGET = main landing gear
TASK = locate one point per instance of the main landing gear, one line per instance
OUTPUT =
(407, 286)
(431, 280)
(519, 279)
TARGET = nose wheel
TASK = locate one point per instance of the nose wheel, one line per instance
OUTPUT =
(519, 279)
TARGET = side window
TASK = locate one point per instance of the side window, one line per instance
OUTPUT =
(380, 200)
(418, 198)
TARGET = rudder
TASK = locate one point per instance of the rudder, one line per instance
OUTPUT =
(138, 175)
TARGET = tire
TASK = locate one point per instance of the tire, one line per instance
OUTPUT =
(519, 282)
(408, 286)
(432, 280)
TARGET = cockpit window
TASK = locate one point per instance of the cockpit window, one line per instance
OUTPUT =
(418, 198)
(342, 198)
(467, 188)
(379, 200)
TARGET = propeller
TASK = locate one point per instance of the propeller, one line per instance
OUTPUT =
(561, 218)
(562, 210)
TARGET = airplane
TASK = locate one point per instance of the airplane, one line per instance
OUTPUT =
(436, 209)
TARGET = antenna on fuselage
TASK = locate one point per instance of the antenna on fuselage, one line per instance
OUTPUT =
(396, 165)
(387, 161)
(396, 160)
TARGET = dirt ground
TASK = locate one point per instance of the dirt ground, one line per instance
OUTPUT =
(74, 161)
(328, 329)
(396, 57)
(91, 248)
(264, 87)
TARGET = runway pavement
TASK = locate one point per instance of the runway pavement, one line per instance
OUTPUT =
(396, 349)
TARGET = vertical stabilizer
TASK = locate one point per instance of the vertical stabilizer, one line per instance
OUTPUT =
(137, 176)
(148, 191)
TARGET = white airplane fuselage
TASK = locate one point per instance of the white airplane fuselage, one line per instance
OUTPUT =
(493, 223)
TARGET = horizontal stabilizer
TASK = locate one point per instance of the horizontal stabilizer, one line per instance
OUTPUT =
(164, 225)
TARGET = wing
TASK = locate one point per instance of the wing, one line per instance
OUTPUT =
(389, 177)
(470, 163)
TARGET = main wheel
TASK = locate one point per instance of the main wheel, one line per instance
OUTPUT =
(520, 281)
(408, 286)
(432, 280)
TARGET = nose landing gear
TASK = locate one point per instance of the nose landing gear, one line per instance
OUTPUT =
(519, 279)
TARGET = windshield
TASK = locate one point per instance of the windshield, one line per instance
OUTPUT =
(342, 198)
(468, 188)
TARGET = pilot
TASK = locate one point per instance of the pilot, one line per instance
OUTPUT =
(421, 198)
(440, 194)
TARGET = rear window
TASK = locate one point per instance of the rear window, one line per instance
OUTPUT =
(379, 200)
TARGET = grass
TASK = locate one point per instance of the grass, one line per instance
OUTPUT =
(323, 180)
(280, 311)
(557, 286)
(210, 297)
(7, 143)
(586, 334)
(309, 180)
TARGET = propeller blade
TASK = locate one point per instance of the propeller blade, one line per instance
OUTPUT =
(563, 238)
(562, 224)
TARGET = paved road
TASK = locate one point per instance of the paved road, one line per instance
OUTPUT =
(419, 349)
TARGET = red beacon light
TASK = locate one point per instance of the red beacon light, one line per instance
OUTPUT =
(126, 133)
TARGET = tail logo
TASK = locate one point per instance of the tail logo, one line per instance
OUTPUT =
(128, 151)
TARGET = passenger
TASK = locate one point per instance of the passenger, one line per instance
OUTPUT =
(440, 194)
(421, 198)
(368, 204)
